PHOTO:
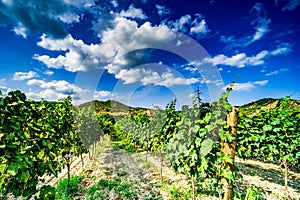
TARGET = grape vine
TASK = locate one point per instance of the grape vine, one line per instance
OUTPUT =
(37, 138)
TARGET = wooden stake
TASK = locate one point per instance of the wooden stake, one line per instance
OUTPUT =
(230, 148)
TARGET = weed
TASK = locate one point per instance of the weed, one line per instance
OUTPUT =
(67, 192)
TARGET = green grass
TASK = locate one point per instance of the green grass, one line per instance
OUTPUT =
(65, 192)
(104, 187)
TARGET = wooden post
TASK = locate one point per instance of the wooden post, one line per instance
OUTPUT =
(230, 148)
(286, 173)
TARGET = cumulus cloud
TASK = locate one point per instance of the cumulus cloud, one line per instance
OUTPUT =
(181, 24)
(238, 60)
(101, 94)
(166, 79)
(241, 60)
(248, 86)
(20, 76)
(78, 55)
(41, 16)
(124, 44)
(132, 12)
(199, 26)
(55, 90)
(59, 89)
(124, 36)
(190, 25)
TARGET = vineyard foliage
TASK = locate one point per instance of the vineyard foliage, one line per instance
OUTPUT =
(88, 127)
(271, 134)
(191, 140)
(37, 138)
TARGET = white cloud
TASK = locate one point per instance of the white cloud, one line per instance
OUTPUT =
(133, 12)
(114, 3)
(248, 86)
(42, 16)
(166, 79)
(3, 87)
(282, 49)
(55, 90)
(48, 72)
(20, 76)
(241, 60)
(262, 28)
(5, 90)
(291, 4)
(277, 71)
(102, 94)
(59, 89)
(78, 55)
(130, 76)
(162, 10)
(238, 60)
(182, 23)
(191, 69)
(124, 36)
(199, 26)
(69, 17)
(190, 25)
(20, 29)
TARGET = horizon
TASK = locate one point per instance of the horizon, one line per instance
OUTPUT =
(143, 53)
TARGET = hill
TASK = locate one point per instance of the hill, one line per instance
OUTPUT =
(117, 109)
(113, 107)
(267, 103)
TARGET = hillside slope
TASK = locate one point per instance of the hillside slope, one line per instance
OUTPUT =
(112, 107)
(267, 103)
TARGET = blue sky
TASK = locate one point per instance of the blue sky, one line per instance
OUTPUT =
(146, 53)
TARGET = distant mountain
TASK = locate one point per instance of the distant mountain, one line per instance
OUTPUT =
(267, 103)
(113, 107)
(117, 109)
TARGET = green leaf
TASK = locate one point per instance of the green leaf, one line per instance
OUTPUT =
(276, 129)
(24, 176)
(52, 170)
(47, 192)
(10, 137)
(12, 169)
(228, 175)
(2, 168)
(206, 147)
(267, 128)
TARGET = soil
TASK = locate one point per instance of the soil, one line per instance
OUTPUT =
(110, 161)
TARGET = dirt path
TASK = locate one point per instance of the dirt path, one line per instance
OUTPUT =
(110, 162)
(268, 178)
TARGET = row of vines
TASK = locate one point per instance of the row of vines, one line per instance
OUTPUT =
(202, 143)
(192, 141)
(271, 135)
(38, 139)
